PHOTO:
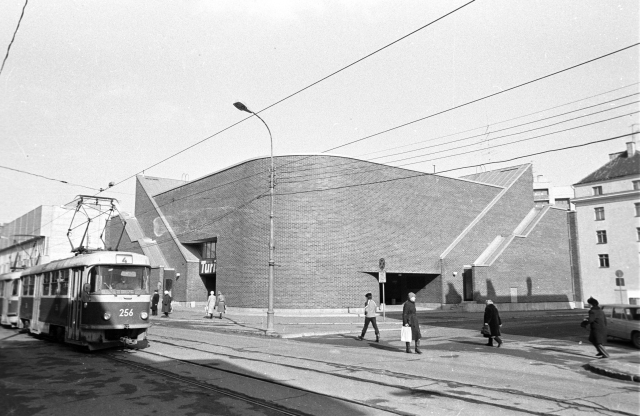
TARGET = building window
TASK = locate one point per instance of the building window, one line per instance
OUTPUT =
(563, 203)
(597, 190)
(540, 204)
(637, 209)
(602, 237)
(600, 212)
(604, 260)
(209, 250)
(636, 185)
(541, 193)
(638, 232)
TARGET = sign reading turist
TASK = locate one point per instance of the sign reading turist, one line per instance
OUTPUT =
(207, 267)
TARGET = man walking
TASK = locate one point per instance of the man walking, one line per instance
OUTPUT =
(370, 316)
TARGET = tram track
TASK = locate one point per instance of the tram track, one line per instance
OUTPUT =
(584, 405)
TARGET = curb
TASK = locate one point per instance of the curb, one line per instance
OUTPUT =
(612, 373)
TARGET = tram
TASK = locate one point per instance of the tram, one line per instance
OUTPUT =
(98, 299)
(9, 298)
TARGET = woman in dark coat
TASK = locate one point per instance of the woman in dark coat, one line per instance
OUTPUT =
(166, 304)
(492, 319)
(598, 328)
(154, 303)
(410, 318)
(220, 305)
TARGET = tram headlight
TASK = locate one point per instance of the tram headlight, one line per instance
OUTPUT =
(144, 315)
(106, 316)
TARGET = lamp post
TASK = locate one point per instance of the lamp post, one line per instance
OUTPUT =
(270, 330)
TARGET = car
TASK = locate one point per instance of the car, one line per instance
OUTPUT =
(623, 321)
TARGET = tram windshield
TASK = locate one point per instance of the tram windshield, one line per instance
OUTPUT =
(120, 279)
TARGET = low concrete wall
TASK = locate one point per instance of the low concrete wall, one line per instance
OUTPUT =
(538, 306)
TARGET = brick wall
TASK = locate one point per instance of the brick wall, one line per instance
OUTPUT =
(537, 265)
(328, 241)
(501, 219)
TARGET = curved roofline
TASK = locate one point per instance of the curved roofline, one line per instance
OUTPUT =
(290, 155)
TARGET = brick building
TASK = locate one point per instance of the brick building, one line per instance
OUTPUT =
(608, 223)
(451, 241)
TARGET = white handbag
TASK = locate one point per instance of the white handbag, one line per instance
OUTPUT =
(405, 334)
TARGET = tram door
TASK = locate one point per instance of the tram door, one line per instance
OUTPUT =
(75, 307)
(37, 295)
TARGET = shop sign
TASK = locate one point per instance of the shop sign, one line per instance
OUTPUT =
(207, 267)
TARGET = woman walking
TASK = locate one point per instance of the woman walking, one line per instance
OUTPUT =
(220, 304)
(493, 321)
(410, 318)
(166, 304)
(598, 328)
(211, 301)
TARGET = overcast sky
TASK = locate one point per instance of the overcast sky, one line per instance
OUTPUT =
(95, 92)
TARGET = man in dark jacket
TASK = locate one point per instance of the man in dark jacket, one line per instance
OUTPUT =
(154, 303)
(166, 304)
(410, 318)
(598, 328)
(493, 321)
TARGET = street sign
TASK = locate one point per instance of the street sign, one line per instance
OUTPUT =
(382, 276)
(619, 273)
(381, 263)
(619, 281)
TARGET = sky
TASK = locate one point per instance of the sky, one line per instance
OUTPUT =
(97, 92)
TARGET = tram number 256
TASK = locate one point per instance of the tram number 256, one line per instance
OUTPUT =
(126, 312)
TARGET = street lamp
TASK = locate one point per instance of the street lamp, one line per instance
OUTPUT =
(272, 263)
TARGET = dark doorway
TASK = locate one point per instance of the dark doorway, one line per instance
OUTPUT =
(209, 282)
(467, 284)
(399, 285)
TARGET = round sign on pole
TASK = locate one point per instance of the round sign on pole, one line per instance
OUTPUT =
(619, 273)
(381, 263)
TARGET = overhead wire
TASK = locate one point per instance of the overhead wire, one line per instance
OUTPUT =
(6, 56)
(453, 169)
(351, 162)
(482, 98)
(47, 177)
(385, 166)
(301, 90)
(500, 122)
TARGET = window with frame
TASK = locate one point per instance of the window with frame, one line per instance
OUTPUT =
(54, 283)
(637, 205)
(603, 260)
(541, 193)
(28, 285)
(63, 282)
(16, 287)
(209, 250)
(636, 185)
(599, 211)
(597, 190)
(1, 289)
(638, 233)
(46, 282)
(602, 236)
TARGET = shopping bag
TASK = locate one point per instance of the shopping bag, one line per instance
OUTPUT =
(405, 334)
(486, 331)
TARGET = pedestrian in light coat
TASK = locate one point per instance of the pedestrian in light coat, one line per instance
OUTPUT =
(370, 316)
(598, 328)
(166, 304)
(211, 301)
(220, 304)
(410, 318)
(154, 303)
(493, 321)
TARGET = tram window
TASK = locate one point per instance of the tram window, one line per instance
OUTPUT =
(1, 289)
(16, 287)
(54, 283)
(46, 281)
(25, 285)
(121, 278)
(64, 282)
(28, 285)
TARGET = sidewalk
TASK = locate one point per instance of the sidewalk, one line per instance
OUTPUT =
(624, 366)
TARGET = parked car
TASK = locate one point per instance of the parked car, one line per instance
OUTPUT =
(623, 321)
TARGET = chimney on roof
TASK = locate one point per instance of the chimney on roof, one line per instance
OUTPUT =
(631, 145)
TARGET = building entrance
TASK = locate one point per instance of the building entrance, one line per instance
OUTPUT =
(399, 285)
(209, 282)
